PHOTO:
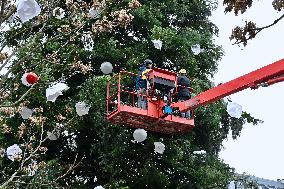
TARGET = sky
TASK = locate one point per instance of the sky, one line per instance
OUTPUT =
(259, 149)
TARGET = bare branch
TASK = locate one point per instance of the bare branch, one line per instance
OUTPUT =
(3, 186)
(2, 47)
(37, 148)
(37, 46)
(8, 15)
(275, 22)
(20, 99)
(26, 159)
(8, 59)
(72, 167)
(249, 31)
(3, 3)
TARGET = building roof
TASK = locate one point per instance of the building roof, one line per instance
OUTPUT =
(268, 183)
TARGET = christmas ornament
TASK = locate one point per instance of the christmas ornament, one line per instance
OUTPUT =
(27, 9)
(29, 79)
(140, 135)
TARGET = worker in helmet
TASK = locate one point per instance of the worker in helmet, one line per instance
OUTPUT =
(183, 90)
(142, 83)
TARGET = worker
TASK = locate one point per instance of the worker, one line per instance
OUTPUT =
(183, 90)
(142, 83)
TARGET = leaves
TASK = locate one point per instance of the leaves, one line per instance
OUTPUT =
(249, 31)
(53, 48)
(278, 5)
(237, 5)
(243, 34)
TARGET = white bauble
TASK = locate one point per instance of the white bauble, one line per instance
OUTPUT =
(140, 135)
(106, 67)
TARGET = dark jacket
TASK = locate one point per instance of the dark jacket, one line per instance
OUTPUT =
(183, 92)
(139, 83)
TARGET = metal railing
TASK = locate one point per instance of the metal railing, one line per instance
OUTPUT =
(121, 90)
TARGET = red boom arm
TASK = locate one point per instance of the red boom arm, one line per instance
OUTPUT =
(268, 75)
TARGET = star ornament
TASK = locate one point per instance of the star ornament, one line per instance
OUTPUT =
(234, 110)
(196, 50)
(82, 108)
(53, 135)
(26, 112)
(94, 13)
(157, 44)
(58, 13)
(55, 90)
(159, 147)
(27, 9)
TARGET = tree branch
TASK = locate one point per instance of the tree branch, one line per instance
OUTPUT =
(72, 167)
(3, 19)
(249, 31)
(3, 186)
(37, 46)
(275, 22)
(37, 148)
(20, 99)
(2, 10)
(8, 59)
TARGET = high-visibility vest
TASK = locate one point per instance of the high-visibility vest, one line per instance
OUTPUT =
(144, 73)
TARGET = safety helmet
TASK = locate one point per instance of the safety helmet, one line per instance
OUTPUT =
(148, 61)
(182, 71)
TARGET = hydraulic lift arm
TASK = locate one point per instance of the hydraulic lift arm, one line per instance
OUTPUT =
(265, 76)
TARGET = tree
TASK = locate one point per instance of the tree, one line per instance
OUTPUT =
(250, 30)
(67, 50)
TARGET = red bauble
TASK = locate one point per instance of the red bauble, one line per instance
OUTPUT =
(32, 78)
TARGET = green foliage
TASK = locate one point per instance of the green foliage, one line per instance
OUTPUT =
(106, 150)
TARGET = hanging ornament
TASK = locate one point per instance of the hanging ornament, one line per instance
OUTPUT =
(27, 9)
(14, 152)
(199, 152)
(196, 49)
(29, 79)
(140, 135)
(231, 185)
(82, 108)
(234, 110)
(159, 147)
(99, 187)
(26, 112)
(53, 135)
(93, 13)
(32, 78)
(58, 13)
(157, 44)
(106, 67)
(55, 90)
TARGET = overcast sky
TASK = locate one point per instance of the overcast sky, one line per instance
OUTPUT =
(259, 151)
